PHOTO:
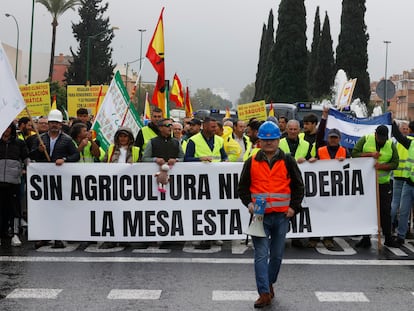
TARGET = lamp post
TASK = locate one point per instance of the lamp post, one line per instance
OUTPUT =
(17, 45)
(88, 50)
(140, 64)
(126, 70)
(385, 77)
(29, 76)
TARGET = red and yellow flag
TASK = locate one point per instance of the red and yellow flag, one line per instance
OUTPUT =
(147, 110)
(271, 111)
(228, 115)
(155, 55)
(54, 107)
(188, 107)
(176, 93)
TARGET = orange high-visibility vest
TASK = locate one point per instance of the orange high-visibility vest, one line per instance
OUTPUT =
(323, 153)
(271, 184)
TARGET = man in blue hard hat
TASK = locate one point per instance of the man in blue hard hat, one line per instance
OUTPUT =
(274, 177)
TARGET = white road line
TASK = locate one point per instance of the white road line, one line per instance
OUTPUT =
(94, 248)
(152, 250)
(49, 248)
(241, 261)
(234, 295)
(347, 250)
(134, 294)
(341, 297)
(34, 293)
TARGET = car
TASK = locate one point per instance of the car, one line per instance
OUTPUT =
(214, 113)
(298, 110)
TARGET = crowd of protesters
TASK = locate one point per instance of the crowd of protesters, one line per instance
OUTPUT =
(167, 141)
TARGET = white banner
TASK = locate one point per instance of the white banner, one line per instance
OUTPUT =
(11, 99)
(115, 111)
(120, 202)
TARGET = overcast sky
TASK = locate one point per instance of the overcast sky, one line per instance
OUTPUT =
(213, 43)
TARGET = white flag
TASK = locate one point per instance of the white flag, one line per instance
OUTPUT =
(11, 99)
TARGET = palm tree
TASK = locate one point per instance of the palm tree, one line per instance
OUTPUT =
(56, 9)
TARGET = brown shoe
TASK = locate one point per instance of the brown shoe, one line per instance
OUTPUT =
(272, 293)
(263, 301)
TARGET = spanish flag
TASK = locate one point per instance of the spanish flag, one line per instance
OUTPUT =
(155, 55)
(228, 115)
(54, 103)
(271, 111)
(147, 110)
(188, 107)
(176, 93)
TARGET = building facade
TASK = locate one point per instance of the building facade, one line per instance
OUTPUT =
(402, 103)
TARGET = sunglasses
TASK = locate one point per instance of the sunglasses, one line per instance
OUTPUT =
(167, 125)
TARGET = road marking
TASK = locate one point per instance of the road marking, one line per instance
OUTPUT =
(134, 294)
(238, 295)
(190, 248)
(347, 250)
(49, 248)
(36, 293)
(94, 248)
(341, 297)
(409, 246)
(152, 250)
(241, 261)
(240, 247)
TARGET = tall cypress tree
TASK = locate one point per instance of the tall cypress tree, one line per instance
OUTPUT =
(263, 66)
(324, 73)
(289, 54)
(314, 54)
(94, 28)
(351, 52)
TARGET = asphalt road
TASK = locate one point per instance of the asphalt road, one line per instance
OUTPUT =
(182, 277)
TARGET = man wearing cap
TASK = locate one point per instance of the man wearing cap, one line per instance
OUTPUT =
(274, 176)
(60, 148)
(164, 148)
(206, 146)
(380, 147)
(332, 150)
(149, 131)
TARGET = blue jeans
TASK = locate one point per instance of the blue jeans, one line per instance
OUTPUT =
(396, 198)
(268, 251)
(407, 199)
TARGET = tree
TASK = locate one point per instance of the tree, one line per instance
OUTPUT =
(263, 67)
(324, 72)
(289, 55)
(351, 52)
(94, 36)
(247, 94)
(313, 56)
(58, 90)
(205, 99)
(56, 8)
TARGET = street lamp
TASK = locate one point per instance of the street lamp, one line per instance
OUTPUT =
(17, 45)
(140, 64)
(29, 76)
(126, 70)
(88, 82)
(385, 77)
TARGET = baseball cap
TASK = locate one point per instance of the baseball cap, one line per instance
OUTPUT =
(334, 133)
(195, 122)
(382, 132)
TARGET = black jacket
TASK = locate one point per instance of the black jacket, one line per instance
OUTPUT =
(64, 148)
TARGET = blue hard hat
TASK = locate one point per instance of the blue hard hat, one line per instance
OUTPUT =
(269, 130)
